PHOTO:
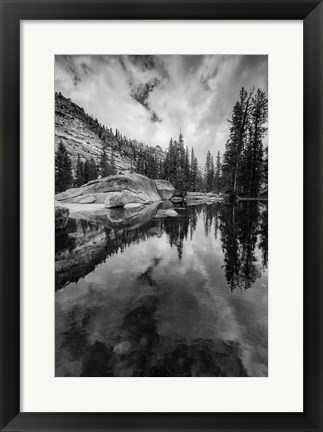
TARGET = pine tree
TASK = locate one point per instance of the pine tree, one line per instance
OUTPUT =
(265, 166)
(160, 170)
(259, 118)
(153, 167)
(217, 176)
(252, 158)
(93, 169)
(167, 163)
(87, 171)
(112, 162)
(63, 169)
(199, 180)
(103, 165)
(112, 167)
(187, 171)
(79, 176)
(173, 160)
(131, 165)
(140, 167)
(209, 172)
(243, 164)
(180, 180)
(194, 171)
(236, 143)
(212, 174)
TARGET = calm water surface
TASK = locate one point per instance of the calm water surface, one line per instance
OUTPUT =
(139, 295)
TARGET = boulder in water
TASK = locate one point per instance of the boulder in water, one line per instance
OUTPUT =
(165, 189)
(134, 188)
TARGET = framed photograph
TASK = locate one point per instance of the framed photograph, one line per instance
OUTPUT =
(146, 282)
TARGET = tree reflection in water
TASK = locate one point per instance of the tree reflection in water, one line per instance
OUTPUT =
(242, 227)
(166, 319)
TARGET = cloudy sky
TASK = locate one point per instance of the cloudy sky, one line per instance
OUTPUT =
(149, 98)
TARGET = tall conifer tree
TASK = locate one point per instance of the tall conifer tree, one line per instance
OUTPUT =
(63, 169)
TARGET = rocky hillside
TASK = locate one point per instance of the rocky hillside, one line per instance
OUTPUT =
(81, 134)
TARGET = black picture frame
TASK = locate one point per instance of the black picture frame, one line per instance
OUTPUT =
(12, 12)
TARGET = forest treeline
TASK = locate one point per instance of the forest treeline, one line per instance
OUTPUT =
(240, 171)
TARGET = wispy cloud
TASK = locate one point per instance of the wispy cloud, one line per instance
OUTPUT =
(148, 98)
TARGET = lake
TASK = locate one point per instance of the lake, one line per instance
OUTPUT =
(142, 295)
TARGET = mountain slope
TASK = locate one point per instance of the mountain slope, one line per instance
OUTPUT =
(82, 135)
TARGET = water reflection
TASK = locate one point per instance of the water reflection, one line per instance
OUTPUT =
(240, 227)
(140, 295)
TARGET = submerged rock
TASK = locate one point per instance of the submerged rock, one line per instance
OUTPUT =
(61, 217)
(165, 188)
(114, 191)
